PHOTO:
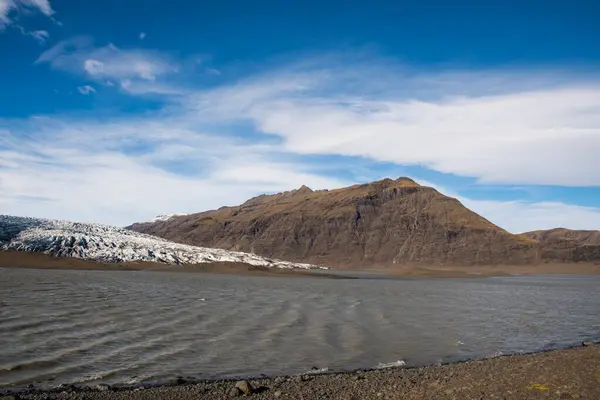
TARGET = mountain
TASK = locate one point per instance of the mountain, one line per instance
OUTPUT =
(565, 245)
(109, 244)
(379, 224)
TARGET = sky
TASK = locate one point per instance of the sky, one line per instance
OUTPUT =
(117, 111)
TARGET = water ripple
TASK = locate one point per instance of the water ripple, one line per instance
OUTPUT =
(116, 327)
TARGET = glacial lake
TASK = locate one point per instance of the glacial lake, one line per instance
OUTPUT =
(112, 327)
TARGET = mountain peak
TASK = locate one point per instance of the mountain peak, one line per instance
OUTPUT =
(395, 183)
(304, 190)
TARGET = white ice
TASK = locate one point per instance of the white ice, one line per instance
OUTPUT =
(112, 244)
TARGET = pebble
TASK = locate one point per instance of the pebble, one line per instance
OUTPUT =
(587, 343)
(277, 393)
(245, 387)
(102, 387)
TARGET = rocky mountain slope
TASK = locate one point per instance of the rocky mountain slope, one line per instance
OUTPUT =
(384, 223)
(566, 245)
(113, 245)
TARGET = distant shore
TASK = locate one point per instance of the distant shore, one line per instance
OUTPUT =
(29, 260)
(561, 374)
(474, 271)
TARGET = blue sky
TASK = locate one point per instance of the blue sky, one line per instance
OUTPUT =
(115, 111)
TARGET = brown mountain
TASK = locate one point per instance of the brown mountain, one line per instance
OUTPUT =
(566, 245)
(384, 223)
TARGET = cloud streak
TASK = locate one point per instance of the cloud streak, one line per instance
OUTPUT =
(86, 90)
(7, 7)
(127, 171)
(520, 216)
(547, 135)
(132, 68)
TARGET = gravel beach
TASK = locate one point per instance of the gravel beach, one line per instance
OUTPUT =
(560, 374)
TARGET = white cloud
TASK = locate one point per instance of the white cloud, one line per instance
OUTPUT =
(64, 51)
(524, 127)
(213, 71)
(42, 5)
(108, 63)
(8, 7)
(86, 90)
(518, 216)
(121, 172)
(524, 216)
(40, 36)
(93, 67)
(142, 35)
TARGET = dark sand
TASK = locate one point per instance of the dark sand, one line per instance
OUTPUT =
(484, 271)
(15, 259)
(42, 261)
(560, 374)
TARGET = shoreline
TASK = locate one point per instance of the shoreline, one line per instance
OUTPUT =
(41, 261)
(568, 373)
(29, 260)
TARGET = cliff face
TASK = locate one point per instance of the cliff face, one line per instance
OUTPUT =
(381, 224)
(567, 245)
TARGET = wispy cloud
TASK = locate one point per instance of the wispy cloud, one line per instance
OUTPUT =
(142, 35)
(131, 170)
(41, 36)
(86, 90)
(520, 216)
(524, 216)
(515, 127)
(11, 9)
(8, 7)
(213, 71)
(108, 63)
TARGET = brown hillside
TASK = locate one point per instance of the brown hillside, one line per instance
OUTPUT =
(371, 225)
(562, 244)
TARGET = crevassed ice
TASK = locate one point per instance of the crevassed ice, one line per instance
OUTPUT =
(112, 244)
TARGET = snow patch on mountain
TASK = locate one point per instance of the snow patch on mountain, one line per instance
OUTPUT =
(165, 217)
(112, 244)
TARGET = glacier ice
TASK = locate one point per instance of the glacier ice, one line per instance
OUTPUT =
(111, 244)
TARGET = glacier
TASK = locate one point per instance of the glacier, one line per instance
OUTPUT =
(112, 244)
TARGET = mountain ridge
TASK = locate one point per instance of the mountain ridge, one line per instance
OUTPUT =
(378, 224)
(564, 245)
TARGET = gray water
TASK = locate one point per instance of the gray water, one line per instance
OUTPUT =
(129, 327)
